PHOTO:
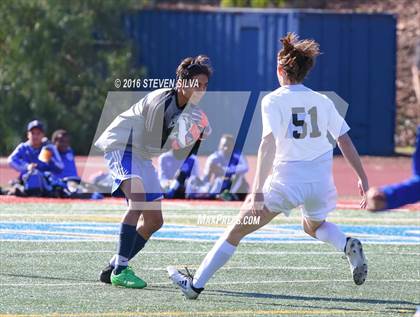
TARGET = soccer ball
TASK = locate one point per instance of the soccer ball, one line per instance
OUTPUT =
(188, 129)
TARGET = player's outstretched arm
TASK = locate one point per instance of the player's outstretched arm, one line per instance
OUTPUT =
(352, 157)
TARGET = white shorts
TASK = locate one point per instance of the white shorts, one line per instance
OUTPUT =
(316, 199)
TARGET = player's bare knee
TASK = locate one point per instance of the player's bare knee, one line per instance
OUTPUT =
(308, 228)
(150, 224)
(156, 225)
(132, 213)
(131, 217)
(133, 189)
(152, 227)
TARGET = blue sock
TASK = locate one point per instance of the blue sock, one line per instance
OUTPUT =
(139, 243)
(127, 236)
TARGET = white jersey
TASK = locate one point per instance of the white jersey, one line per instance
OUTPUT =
(144, 126)
(300, 120)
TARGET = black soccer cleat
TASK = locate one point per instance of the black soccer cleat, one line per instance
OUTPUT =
(105, 275)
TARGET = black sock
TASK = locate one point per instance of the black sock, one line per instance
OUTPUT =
(197, 290)
(127, 236)
(138, 244)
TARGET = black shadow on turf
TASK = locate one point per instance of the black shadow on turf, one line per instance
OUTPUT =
(316, 298)
(48, 277)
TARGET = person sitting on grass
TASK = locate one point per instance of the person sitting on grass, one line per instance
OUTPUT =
(33, 159)
(400, 194)
(61, 139)
(175, 171)
(225, 170)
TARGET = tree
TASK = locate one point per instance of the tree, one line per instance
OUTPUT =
(58, 60)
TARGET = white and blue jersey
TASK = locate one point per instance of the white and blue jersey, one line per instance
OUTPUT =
(145, 127)
(25, 154)
(137, 135)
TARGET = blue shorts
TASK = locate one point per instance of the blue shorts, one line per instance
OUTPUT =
(126, 165)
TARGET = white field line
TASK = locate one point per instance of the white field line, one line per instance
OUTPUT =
(211, 283)
(21, 215)
(199, 252)
(109, 237)
(190, 227)
(394, 243)
(169, 215)
(279, 242)
(289, 268)
(114, 239)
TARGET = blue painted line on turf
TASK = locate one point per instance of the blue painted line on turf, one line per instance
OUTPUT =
(87, 231)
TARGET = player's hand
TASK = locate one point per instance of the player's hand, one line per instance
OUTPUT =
(201, 120)
(255, 203)
(363, 188)
(376, 199)
(31, 167)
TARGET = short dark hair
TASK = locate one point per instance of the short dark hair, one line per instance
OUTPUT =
(297, 57)
(193, 66)
(58, 134)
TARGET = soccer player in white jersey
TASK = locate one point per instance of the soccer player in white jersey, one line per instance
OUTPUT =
(295, 147)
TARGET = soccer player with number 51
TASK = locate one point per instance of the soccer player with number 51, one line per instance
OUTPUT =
(295, 147)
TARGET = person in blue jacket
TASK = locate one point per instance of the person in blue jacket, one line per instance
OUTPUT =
(26, 156)
(35, 160)
(225, 170)
(61, 140)
(400, 194)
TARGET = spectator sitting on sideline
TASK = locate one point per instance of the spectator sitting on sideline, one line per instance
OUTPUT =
(32, 159)
(61, 139)
(174, 173)
(224, 172)
(400, 194)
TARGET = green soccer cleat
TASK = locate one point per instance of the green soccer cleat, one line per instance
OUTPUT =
(128, 279)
